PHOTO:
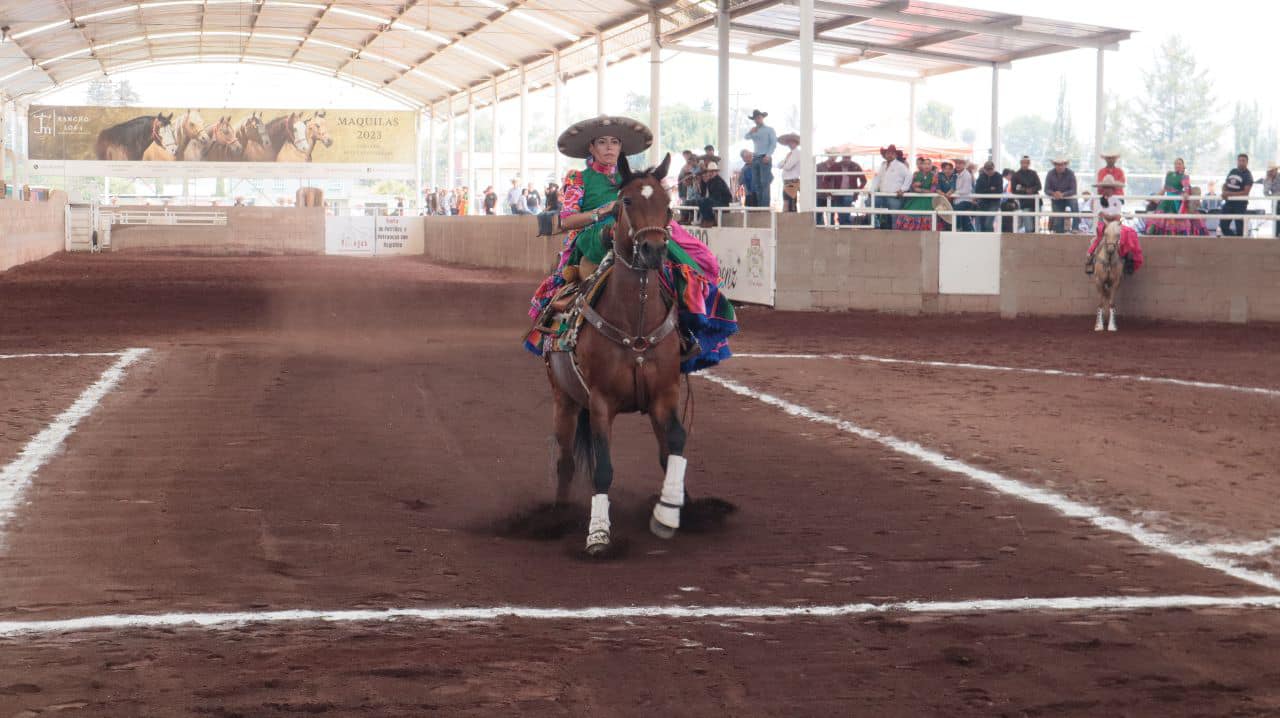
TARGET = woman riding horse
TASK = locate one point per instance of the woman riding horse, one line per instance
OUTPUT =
(589, 196)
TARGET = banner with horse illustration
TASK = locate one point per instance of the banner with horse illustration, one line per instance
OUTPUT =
(122, 136)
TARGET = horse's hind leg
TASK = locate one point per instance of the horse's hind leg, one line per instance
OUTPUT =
(671, 439)
(1111, 302)
(565, 422)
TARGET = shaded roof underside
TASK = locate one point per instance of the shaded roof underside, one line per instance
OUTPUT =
(424, 52)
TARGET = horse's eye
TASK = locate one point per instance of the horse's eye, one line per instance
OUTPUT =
(626, 201)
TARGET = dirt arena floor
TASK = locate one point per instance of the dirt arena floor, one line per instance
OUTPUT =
(348, 436)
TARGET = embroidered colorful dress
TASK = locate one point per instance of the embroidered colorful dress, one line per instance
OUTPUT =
(1175, 183)
(920, 182)
(691, 273)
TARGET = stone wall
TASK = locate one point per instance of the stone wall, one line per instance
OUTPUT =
(505, 242)
(31, 230)
(249, 230)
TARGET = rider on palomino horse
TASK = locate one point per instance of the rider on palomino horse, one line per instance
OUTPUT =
(588, 195)
(1110, 205)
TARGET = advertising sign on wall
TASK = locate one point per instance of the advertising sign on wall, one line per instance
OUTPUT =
(969, 263)
(144, 141)
(398, 236)
(746, 257)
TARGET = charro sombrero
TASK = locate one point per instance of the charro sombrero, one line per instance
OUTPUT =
(1109, 181)
(576, 140)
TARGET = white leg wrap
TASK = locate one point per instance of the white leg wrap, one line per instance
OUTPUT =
(1098, 326)
(667, 511)
(599, 514)
(1112, 325)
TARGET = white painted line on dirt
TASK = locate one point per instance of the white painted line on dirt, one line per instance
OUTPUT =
(15, 477)
(1275, 393)
(1061, 504)
(1249, 548)
(57, 355)
(218, 621)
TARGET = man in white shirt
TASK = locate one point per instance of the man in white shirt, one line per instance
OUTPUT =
(892, 180)
(790, 168)
(964, 194)
(516, 203)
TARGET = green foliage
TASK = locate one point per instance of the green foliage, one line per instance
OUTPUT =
(1027, 135)
(683, 127)
(1063, 139)
(936, 119)
(1251, 137)
(393, 188)
(1173, 117)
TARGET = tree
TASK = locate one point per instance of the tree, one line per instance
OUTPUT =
(683, 127)
(1251, 137)
(968, 135)
(1026, 135)
(1176, 111)
(105, 92)
(936, 119)
(393, 188)
(1063, 141)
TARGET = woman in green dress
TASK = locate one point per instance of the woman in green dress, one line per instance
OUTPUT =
(588, 196)
(921, 181)
(1176, 184)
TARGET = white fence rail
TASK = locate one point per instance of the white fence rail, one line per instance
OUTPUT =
(164, 216)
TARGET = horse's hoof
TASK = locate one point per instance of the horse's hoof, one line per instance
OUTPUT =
(660, 529)
(597, 543)
(1112, 328)
(1097, 327)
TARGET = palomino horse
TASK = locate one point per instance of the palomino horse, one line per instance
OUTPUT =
(164, 140)
(626, 359)
(226, 147)
(1108, 270)
(257, 143)
(191, 136)
(309, 197)
(129, 140)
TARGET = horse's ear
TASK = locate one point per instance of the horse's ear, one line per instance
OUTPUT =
(624, 168)
(661, 170)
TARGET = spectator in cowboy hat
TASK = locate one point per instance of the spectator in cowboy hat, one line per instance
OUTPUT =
(790, 168)
(709, 154)
(1026, 183)
(1111, 170)
(1271, 188)
(1060, 185)
(715, 193)
(891, 181)
(764, 141)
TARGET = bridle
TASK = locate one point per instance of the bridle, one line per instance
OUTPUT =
(1110, 248)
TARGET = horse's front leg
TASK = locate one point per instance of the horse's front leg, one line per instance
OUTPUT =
(599, 529)
(1111, 303)
(671, 436)
(566, 423)
(1098, 283)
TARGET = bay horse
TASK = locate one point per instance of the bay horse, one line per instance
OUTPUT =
(1108, 270)
(626, 359)
(129, 140)
(257, 143)
(164, 140)
(289, 134)
(313, 132)
(225, 146)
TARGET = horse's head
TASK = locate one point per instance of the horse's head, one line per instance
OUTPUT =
(318, 131)
(298, 132)
(642, 216)
(192, 124)
(1111, 238)
(164, 133)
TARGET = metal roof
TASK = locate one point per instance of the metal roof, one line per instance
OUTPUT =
(426, 52)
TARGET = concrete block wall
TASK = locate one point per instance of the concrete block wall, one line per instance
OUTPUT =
(503, 242)
(31, 230)
(249, 230)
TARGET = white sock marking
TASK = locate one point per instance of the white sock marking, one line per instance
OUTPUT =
(1057, 502)
(15, 477)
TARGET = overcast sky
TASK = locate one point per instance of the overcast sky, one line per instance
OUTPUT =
(1232, 39)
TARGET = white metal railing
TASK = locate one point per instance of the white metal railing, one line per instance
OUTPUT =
(165, 216)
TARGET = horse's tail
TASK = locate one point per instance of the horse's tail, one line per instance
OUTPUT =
(584, 455)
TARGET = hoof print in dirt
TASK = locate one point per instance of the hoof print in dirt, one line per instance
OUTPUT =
(544, 522)
(699, 516)
(617, 549)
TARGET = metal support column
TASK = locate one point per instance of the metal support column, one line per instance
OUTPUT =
(451, 159)
(557, 117)
(911, 125)
(655, 86)
(722, 75)
(524, 126)
(417, 171)
(431, 148)
(470, 176)
(1099, 112)
(807, 200)
(494, 167)
(601, 62)
(995, 115)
